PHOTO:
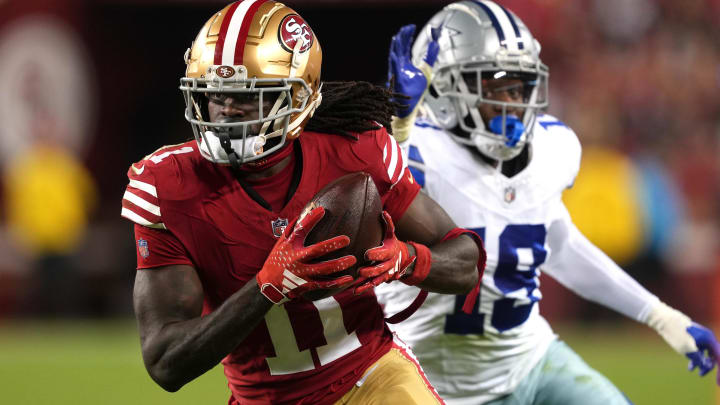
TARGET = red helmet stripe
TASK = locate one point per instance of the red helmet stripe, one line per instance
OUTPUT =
(223, 32)
(234, 30)
(247, 21)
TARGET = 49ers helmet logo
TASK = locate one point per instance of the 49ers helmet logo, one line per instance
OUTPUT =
(293, 29)
(225, 71)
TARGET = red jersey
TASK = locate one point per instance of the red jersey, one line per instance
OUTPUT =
(190, 211)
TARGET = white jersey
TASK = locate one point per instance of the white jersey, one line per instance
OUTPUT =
(475, 358)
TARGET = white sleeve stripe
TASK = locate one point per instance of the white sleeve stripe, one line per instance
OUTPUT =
(401, 172)
(140, 220)
(402, 160)
(148, 188)
(393, 158)
(149, 207)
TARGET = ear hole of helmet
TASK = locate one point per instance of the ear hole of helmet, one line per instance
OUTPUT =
(443, 82)
(433, 92)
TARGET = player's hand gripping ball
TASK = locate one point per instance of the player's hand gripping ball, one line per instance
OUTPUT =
(289, 271)
(353, 208)
(391, 259)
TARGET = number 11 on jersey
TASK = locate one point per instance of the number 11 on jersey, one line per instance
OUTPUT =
(289, 358)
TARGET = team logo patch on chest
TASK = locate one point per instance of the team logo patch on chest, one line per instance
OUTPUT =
(278, 226)
(143, 248)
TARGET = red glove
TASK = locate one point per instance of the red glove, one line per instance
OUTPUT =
(393, 256)
(288, 273)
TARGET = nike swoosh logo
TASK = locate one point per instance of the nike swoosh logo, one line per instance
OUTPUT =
(138, 171)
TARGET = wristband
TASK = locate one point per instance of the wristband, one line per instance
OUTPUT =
(423, 262)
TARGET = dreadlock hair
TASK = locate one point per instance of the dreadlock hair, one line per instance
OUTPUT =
(353, 107)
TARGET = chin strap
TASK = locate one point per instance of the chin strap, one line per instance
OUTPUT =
(229, 151)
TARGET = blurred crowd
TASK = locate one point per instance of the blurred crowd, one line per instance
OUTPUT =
(639, 82)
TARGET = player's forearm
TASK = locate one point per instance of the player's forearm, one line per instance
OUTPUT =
(454, 266)
(178, 352)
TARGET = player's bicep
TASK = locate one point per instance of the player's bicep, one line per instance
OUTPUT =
(166, 295)
(424, 221)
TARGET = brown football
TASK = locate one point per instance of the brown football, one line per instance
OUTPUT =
(352, 208)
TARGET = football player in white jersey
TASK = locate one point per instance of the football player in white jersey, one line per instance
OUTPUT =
(482, 149)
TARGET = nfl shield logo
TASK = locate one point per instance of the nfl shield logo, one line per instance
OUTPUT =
(509, 194)
(278, 226)
(143, 248)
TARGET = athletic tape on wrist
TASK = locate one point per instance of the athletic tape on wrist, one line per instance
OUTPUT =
(471, 297)
(423, 262)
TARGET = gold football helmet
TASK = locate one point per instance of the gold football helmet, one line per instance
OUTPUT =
(258, 51)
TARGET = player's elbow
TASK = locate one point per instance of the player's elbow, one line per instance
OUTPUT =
(160, 369)
(169, 386)
(165, 378)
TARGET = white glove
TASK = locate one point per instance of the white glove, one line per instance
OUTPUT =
(691, 339)
(672, 325)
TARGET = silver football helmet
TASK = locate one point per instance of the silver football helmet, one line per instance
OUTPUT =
(481, 41)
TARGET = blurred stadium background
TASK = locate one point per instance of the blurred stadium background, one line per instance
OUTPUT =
(88, 87)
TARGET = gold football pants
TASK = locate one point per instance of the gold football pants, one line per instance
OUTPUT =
(396, 378)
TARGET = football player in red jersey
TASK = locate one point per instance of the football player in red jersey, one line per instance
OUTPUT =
(222, 266)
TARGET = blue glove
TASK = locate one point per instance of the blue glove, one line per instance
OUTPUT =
(514, 128)
(708, 353)
(404, 77)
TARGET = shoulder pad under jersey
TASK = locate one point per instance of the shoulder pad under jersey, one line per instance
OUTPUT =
(564, 144)
(141, 201)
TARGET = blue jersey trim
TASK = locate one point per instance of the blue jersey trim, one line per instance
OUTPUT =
(425, 124)
(414, 154)
(547, 124)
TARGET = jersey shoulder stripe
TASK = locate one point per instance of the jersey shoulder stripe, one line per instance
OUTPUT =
(559, 140)
(547, 121)
(393, 159)
(423, 122)
(140, 202)
(141, 205)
